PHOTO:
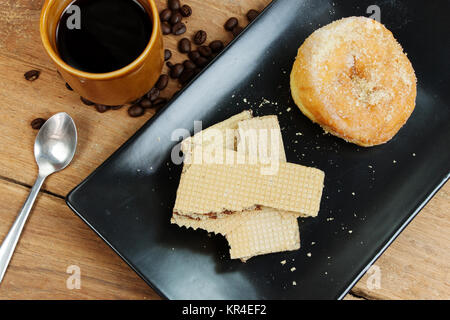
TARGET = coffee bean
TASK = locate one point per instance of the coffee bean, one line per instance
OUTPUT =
(162, 82)
(159, 103)
(186, 11)
(179, 28)
(36, 124)
(165, 15)
(167, 54)
(205, 51)
(145, 103)
(184, 45)
(136, 111)
(165, 28)
(188, 64)
(194, 55)
(102, 108)
(236, 31)
(216, 46)
(32, 75)
(176, 17)
(186, 76)
(116, 107)
(201, 62)
(169, 64)
(200, 37)
(69, 87)
(252, 14)
(231, 24)
(153, 94)
(173, 4)
(197, 70)
(176, 70)
(86, 101)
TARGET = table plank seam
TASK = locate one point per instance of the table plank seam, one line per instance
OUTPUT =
(29, 187)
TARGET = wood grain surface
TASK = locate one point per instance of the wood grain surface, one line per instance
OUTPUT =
(416, 266)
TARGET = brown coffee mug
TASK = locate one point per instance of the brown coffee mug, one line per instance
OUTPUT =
(113, 88)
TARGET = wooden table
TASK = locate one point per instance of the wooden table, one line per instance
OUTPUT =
(415, 266)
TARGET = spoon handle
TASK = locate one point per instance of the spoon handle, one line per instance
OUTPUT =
(9, 244)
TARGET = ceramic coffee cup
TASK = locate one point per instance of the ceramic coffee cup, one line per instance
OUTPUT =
(113, 88)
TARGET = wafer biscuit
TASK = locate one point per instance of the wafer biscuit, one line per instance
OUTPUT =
(215, 188)
(205, 138)
(223, 225)
(267, 142)
(268, 231)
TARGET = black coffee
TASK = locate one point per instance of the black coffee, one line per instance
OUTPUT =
(102, 35)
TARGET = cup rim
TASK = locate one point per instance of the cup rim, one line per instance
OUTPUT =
(98, 76)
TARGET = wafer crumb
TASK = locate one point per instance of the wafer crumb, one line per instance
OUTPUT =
(294, 283)
(293, 269)
(309, 254)
(283, 262)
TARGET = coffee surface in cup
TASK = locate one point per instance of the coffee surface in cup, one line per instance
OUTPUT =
(100, 36)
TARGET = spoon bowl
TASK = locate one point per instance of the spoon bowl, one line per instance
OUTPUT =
(55, 144)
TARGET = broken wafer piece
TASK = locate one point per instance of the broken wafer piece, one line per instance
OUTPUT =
(217, 188)
(268, 231)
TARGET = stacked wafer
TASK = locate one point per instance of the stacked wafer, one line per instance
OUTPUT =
(236, 182)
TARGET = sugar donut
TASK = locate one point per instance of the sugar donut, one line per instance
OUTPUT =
(353, 79)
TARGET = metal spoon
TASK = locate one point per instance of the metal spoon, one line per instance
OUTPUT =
(54, 148)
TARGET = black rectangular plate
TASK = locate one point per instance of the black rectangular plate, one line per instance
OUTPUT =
(370, 194)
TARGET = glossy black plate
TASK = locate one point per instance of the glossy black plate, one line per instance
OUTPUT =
(370, 194)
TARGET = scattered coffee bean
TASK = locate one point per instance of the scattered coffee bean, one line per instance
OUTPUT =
(116, 107)
(194, 55)
(186, 76)
(153, 94)
(184, 45)
(159, 103)
(169, 64)
(165, 15)
(36, 124)
(176, 70)
(205, 51)
(69, 87)
(145, 103)
(86, 101)
(252, 14)
(237, 30)
(102, 108)
(32, 75)
(165, 28)
(231, 24)
(179, 28)
(174, 4)
(167, 54)
(136, 111)
(162, 82)
(176, 17)
(188, 64)
(200, 37)
(201, 62)
(186, 11)
(216, 46)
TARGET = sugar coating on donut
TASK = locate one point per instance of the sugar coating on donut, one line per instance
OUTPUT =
(353, 79)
